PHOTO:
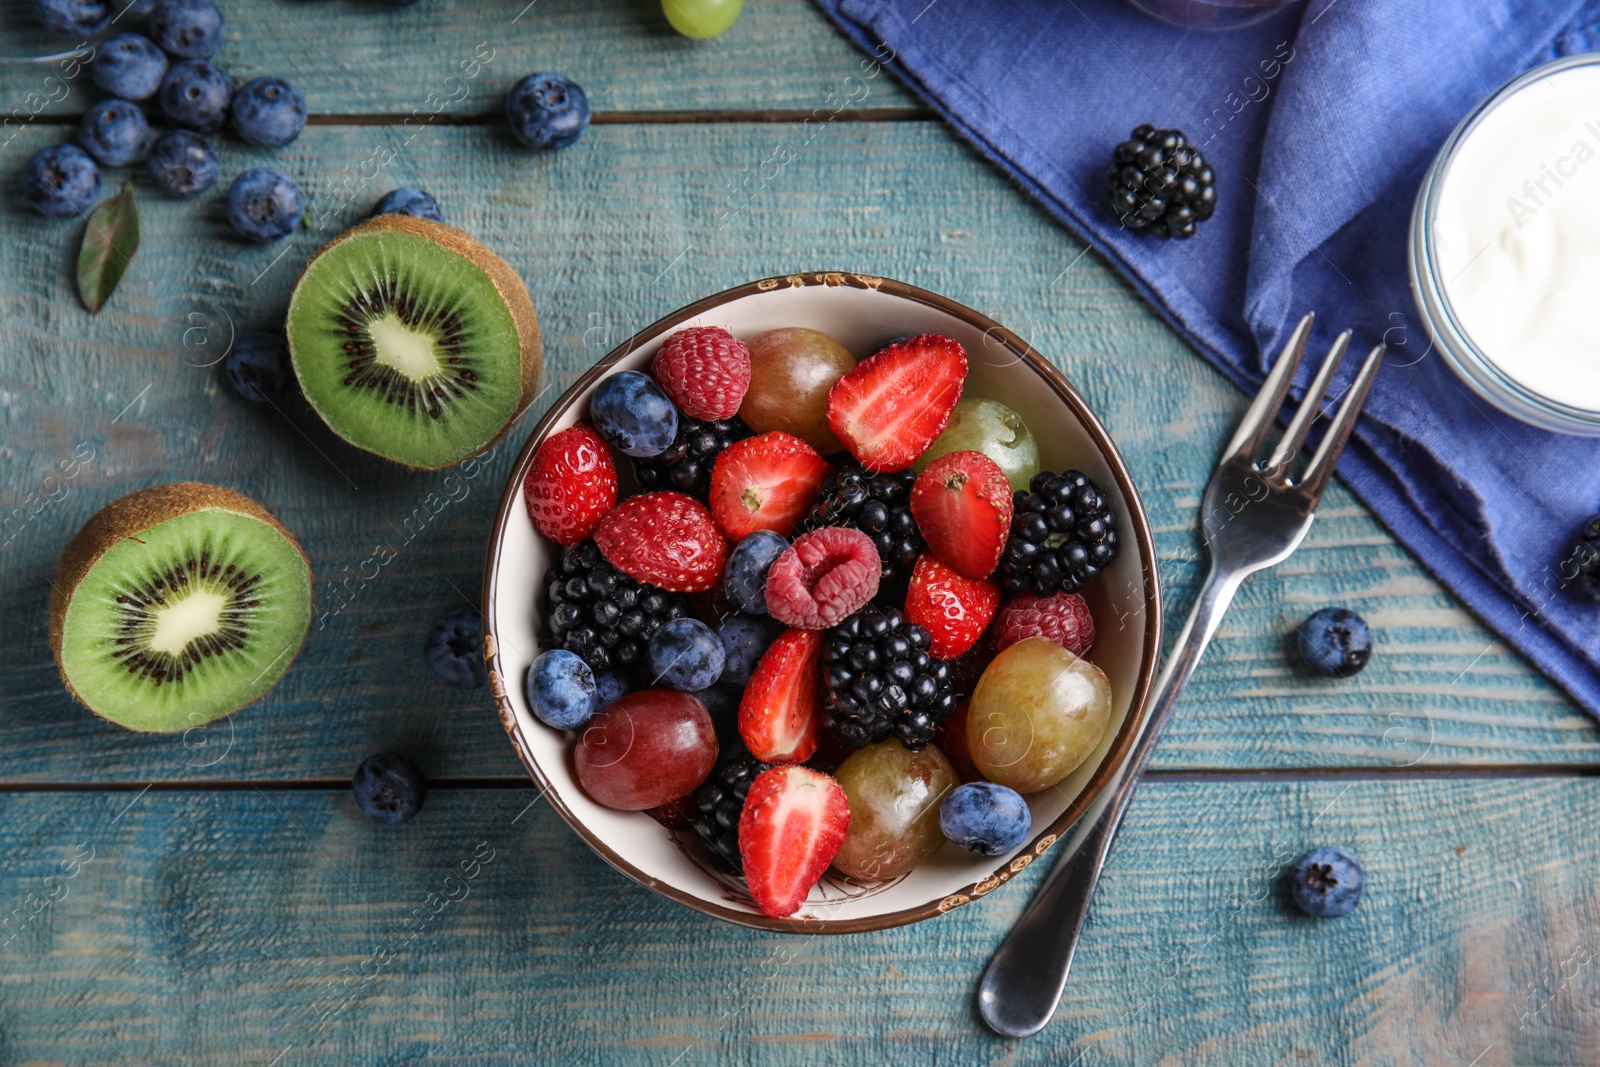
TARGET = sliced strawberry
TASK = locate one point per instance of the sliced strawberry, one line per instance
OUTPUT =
(666, 539)
(962, 504)
(888, 408)
(780, 715)
(794, 821)
(953, 609)
(571, 483)
(767, 482)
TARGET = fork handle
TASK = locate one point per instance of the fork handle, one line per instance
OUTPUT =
(1024, 981)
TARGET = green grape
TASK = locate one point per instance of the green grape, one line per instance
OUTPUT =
(1037, 713)
(894, 797)
(701, 19)
(990, 427)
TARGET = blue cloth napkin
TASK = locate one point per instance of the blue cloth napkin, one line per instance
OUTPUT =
(1320, 124)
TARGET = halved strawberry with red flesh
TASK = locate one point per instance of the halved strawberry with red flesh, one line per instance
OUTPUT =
(962, 505)
(571, 483)
(792, 825)
(780, 715)
(665, 539)
(888, 408)
(953, 609)
(767, 482)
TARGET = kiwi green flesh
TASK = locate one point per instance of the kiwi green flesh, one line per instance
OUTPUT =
(186, 621)
(405, 348)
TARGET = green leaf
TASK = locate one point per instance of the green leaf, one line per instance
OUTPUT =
(108, 245)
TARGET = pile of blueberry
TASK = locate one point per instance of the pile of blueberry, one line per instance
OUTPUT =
(170, 64)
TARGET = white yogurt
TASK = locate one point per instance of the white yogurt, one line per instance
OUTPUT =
(1517, 236)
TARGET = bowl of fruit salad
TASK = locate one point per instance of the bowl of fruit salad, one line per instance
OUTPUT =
(823, 604)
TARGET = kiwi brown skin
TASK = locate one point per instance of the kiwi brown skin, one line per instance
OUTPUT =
(127, 516)
(506, 282)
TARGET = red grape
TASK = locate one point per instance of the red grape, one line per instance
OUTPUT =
(645, 749)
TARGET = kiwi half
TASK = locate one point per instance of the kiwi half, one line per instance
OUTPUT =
(178, 604)
(413, 341)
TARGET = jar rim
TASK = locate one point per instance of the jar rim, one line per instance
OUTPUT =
(1470, 363)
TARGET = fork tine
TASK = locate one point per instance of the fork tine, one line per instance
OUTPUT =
(1263, 409)
(1333, 442)
(1295, 436)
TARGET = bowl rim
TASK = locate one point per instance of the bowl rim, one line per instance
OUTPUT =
(1110, 764)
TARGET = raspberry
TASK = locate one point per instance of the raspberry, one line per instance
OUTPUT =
(1064, 618)
(705, 370)
(824, 577)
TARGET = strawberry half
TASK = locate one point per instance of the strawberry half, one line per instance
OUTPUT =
(571, 483)
(665, 539)
(792, 825)
(767, 482)
(888, 408)
(962, 505)
(953, 609)
(780, 715)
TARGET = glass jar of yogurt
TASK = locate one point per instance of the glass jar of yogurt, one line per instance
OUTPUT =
(1505, 247)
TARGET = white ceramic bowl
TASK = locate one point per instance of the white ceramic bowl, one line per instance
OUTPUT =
(862, 312)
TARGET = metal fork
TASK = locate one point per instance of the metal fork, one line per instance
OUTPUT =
(1253, 516)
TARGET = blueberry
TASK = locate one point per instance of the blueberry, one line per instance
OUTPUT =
(257, 366)
(389, 788)
(986, 818)
(409, 201)
(189, 29)
(182, 163)
(547, 111)
(1327, 882)
(264, 204)
(129, 66)
(113, 131)
(1335, 642)
(744, 638)
(268, 112)
(633, 414)
(454, 649)
(61, 181)
(685, 654)
(194, 94)
(77, 17)
(561, 689)
(610, 687)
(744, 578)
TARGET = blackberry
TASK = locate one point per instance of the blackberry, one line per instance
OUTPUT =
(687, 462)
(879, 679)
(1583, 561)
(879, 505)
(715, 808)
(1062, 535)
(595, 610)
(1160, 183)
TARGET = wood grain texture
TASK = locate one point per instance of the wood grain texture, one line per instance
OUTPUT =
(633, 222)
(280, 927)
(361, 57)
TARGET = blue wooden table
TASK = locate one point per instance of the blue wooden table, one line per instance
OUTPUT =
(227, 903)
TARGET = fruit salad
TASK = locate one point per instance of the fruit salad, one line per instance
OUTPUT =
(812, 612)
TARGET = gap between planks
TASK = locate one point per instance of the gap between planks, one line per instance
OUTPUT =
(1447, 772)
(664, 117)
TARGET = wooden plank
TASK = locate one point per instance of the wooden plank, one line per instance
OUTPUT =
(634, 222)
(363, 58)
(278, 927)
